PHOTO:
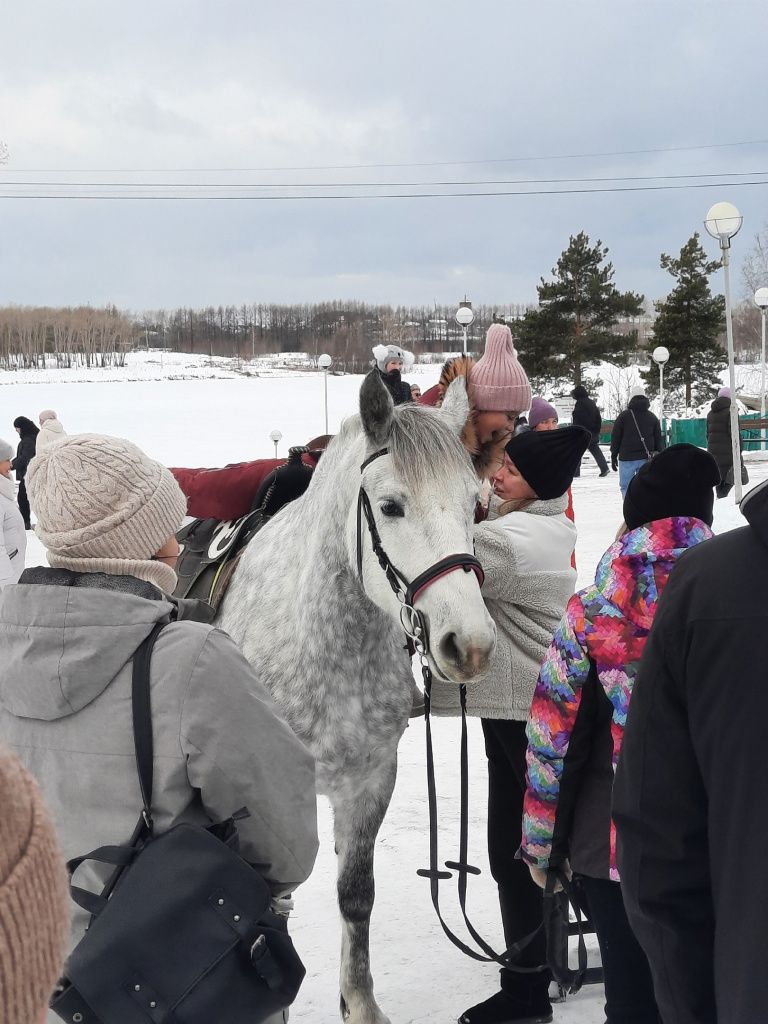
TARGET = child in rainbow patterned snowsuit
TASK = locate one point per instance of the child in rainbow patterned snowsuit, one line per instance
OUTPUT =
(575, 732)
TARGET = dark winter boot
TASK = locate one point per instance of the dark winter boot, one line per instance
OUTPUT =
(504, 1008)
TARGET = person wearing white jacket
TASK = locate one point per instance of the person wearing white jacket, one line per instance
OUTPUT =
(526, 555)
(13, 538)
(51, 429)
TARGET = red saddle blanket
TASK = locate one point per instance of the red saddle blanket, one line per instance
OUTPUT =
(227, 493)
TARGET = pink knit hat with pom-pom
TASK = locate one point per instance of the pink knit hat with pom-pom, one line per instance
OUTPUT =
(497, 382)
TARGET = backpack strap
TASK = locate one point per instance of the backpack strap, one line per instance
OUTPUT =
(142, 722)
(637, 428)
(122, 856)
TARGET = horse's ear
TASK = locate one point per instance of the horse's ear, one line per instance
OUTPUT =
(377, 409)
(455, 407)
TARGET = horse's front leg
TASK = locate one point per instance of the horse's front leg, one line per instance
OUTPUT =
(359, 810)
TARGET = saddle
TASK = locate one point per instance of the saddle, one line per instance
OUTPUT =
(211, 548)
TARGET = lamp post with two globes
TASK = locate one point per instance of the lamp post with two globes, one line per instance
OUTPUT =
(722, 222)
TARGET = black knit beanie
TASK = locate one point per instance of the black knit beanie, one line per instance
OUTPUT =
(680, 481)
(547, 459)
(284, 484)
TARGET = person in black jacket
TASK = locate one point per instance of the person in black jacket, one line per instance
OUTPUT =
(688, 798)
(719, 440)
(25, 452)
(586, 414)
(636, 438)
(390, 361)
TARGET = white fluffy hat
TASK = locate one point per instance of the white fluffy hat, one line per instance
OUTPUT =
(385, 353)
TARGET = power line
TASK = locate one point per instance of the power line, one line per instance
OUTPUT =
(374, 184)
(346, 167)
(395, 195)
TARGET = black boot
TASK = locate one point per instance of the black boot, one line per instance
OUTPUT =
(504, 1008)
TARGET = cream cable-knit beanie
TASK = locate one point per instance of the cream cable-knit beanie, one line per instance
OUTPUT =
(34, 898)
(103, 506)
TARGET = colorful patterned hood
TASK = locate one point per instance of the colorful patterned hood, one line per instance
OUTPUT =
(634, 571)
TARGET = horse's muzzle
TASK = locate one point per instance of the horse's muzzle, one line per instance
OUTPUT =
(462, 658)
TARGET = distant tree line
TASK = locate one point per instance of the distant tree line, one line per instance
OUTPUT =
(40, 336)
(347, 331)
(580, 318)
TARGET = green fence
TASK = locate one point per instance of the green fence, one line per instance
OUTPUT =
(695, 432)
(688, 432)
(751, 440)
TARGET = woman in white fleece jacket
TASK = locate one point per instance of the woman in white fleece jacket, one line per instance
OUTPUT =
(526, 554)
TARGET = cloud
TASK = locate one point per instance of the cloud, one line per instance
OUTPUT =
(187, 84)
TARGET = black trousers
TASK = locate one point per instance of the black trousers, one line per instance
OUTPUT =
(23, 501)
(597, 454)
(520, 898)
(629, 997)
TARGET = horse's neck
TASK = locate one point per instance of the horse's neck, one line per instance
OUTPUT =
(314, 540)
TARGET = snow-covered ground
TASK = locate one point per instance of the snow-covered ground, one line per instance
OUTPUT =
(420, 978)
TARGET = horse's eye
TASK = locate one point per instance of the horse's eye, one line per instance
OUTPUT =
(392, 510)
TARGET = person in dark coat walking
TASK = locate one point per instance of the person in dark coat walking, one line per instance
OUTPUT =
(586, 414)
(390, 361)
(719, 440)
(25, 452)
(575, 730)
(687, 801)
(636, 438)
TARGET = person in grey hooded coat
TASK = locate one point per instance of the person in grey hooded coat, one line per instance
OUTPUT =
(107, 515)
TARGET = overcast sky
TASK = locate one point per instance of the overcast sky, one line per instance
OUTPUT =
(92, 87)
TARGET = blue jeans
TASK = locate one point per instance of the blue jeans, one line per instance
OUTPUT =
(626, 471)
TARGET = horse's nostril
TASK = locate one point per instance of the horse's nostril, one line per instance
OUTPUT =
(449, 648)
(469, 658)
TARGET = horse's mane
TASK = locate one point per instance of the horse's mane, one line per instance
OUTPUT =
(422, 445)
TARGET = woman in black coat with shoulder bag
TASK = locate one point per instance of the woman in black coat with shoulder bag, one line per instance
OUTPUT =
(25, 452)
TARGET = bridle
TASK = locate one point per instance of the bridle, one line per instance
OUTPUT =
(407, 592)
(415, 626)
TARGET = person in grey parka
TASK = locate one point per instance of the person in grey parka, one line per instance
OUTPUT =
(107, 516)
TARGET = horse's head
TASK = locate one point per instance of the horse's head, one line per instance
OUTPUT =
(422, 495)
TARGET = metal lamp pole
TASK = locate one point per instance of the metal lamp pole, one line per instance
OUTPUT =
(761, 300)
(324, 362)
(660, 356)
(464, 318)
(276, 437)
(722, 222)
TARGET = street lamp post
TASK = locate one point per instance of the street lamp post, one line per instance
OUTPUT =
(324, 362)
(722, 222)
(276, 437)
(660, 356)
(761, 301)
(464, 318)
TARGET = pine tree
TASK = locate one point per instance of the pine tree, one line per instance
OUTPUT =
(689, 323)
(579, 311)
